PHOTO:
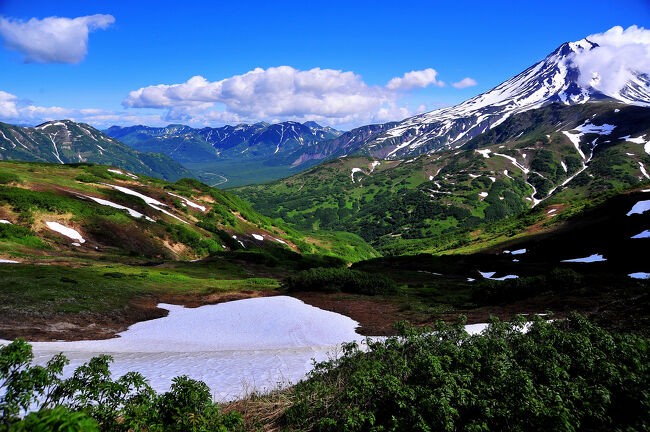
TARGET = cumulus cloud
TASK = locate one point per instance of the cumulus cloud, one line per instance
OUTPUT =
(13, 110)
(620, 54)
(414, 79)
(52, 39)
(464, 83)
(281, 93)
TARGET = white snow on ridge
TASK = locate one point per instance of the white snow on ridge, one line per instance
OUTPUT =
(489, 275)
(639, 208)
(589, 259)
(643, 234)
(116, 171)
(64, 230)
(584, 129)
(484, 152)
(355, 170)
(637, 140)
(188, 202)
(643, 171)
(153, 203)
(132, 213)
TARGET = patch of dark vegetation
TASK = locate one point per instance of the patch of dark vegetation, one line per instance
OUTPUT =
(568, 375)
(340, 280)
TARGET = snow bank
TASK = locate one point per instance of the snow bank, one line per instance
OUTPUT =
(488, 275)
(4, 221)
(68, 232)
(258, 237)
(116, 171)
(261, 342)
(644, 234)
(639, 208)
(639, 275)
(153, 203)
(589, 259)
(484, 152)
(131, 212)
(188, 202)
(6, 261)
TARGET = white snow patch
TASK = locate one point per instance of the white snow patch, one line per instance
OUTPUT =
(643, 171)
(355, 170)
(260, 342)
(6, 261)
(589, 259)
(116, 171)
(640, 207)
(484, 152)
(551, 211)
(188, 202)
(637, 140)
(518, 252)
(644, 234)
(258, 237)
(488, 275)
(4, 221)
(564, 166)
(132, 213)
(483, 194)
(239, 241)
(639, 275)
(68, 232)
(153, 203)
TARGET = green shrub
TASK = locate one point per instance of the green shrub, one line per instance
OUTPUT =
(340, 280)
(560, 376)
(7, 177)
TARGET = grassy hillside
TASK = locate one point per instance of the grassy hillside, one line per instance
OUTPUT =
(430, 202)
(65, 141)
(132, 239)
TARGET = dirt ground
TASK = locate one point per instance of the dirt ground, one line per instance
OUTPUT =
(376, 316)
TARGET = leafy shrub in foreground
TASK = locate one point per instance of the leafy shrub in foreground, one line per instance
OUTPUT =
(340, 280)
(91, 400)
(562, 376)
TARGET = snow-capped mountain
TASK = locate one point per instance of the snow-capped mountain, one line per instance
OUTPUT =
(554, 79)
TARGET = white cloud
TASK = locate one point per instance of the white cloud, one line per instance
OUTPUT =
(610, 66)
(52, 39)
(8, 105)
(281, 93)
(465, 82)
(12, 110)
(413, 79)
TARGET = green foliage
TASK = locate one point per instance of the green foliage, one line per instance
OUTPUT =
(91, 400)
(563, 376)
(496, 292)
(21, 235)
(340, 280)
(8, 177)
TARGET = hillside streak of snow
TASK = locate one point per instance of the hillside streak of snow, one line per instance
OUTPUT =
(64, 230)
(643, 234)
(589, 259)
(153, 203)
(188, 202)
(132, 213)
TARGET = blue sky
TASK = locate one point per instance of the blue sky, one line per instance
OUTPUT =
(151, 43)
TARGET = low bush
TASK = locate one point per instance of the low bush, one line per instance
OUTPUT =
(340, 280)
(561, 376)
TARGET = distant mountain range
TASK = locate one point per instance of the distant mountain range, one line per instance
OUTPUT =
(239, 154)
(253, 153)
(64, 141)
(556, 156)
